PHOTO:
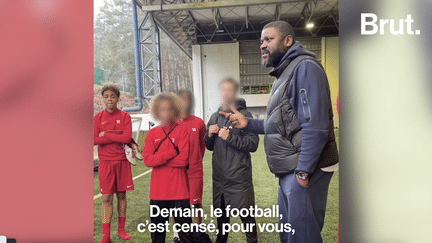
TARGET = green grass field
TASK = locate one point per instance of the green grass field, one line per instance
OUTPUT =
(265, 185)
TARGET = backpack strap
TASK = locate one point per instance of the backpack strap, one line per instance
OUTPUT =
(167, 136)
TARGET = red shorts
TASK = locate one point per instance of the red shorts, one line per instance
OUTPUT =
(115, 176)
(195, 190)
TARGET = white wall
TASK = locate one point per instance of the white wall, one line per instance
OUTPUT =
(211, 63)
(145, 120)
(256, 100)
(197, 80)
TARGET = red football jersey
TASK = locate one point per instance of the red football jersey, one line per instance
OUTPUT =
(169, 177)
(196, 130)
(118, 130)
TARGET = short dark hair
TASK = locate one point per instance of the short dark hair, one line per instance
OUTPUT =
(191, 98)
(112, 87)
(283, 27)
(231, 81)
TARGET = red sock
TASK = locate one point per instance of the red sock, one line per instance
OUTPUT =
(106, 230)
(120, 227)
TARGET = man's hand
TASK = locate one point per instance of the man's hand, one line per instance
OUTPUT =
(237, 119)
(303, 183)
(101, 134)
(224, 133)
(213, 129)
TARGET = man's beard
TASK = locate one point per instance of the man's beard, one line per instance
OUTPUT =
(273, 58)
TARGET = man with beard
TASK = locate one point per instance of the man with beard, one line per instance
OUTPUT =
(299, 133)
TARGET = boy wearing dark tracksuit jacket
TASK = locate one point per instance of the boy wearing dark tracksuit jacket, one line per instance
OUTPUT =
(231, 162)
(166, 150)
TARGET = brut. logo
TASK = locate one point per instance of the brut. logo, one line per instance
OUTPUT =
(370, 25)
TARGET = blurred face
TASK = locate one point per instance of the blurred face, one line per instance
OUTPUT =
(110, 100)
(186, 103)
(227, 93)
(165, 112)
(273, 46)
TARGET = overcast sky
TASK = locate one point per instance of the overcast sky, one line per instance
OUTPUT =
(96, 5)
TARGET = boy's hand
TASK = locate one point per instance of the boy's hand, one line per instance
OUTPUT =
(213, 129)
(101, 134)
(237, 119)
(224, 133)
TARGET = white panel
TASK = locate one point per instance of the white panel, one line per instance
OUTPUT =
(218, 61)
(146, 119)
(256, 100)
(197, 80)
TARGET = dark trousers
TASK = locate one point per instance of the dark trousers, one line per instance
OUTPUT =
(159, 237)
(251, 237)
(303, 208)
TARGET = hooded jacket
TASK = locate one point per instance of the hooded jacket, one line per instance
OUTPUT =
(299, 117)
(231, 162)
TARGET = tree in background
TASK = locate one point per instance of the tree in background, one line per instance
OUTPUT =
(98, 76)
(113, 44)
(114, 50)
(176, 66)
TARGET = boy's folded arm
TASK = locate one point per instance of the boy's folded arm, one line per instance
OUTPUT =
(152, 159)
(119, 138)
(159, 158)
(181, 160)
(101, 140)
(125, 137)
(96, 130)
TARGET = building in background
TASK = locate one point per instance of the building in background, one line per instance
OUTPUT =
(222, 39)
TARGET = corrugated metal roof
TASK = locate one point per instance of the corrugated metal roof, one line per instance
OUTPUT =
(190, 22)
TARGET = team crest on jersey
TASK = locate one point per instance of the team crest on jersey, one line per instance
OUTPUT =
(118, 121)
(194, 129)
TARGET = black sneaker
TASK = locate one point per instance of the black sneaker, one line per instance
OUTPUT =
(175, 240)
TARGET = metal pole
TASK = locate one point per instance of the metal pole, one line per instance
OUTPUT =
(156, 57)
(123, 82)
(138, 78)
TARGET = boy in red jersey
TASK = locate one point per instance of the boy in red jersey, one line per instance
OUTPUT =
(112, 129)
(196, 130)
(166, 150)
